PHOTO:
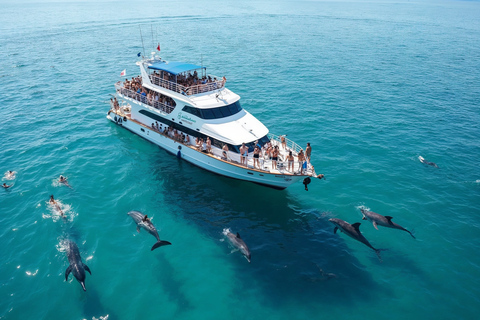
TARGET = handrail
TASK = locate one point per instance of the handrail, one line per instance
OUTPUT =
(290, 144)
(191, 90)
(134, 95)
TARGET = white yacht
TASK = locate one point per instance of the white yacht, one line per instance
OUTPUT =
(192, 115)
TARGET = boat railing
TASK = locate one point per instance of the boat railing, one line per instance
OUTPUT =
(139, 97)
(187, 90)
(289, 143)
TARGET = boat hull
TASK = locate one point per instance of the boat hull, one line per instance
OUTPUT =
(206, 161)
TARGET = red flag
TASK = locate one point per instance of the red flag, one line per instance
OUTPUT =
(158, 47)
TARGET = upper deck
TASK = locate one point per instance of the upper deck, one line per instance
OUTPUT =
(184, 78)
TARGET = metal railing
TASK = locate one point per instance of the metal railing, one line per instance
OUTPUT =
(290, 144)
(143, 99)
(191, 90)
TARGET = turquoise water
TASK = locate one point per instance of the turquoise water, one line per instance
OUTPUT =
(371, 85)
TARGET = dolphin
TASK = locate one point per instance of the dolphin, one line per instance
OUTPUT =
(379, 220)
(353, 231)
(139, 219)
(77, 267)
(238, 243)
(422, 160)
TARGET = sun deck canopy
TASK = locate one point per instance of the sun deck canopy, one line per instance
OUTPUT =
(175, 67)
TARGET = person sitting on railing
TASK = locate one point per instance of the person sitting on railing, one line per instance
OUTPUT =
(204, 146)
(165, 132)
(275, 153)
(187, 139)
(243, 154)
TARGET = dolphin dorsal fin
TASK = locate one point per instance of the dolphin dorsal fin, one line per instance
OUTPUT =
(356, 226)
(389, 219)
(238, 236)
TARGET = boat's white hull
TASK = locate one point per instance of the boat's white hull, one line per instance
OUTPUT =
(206, 161)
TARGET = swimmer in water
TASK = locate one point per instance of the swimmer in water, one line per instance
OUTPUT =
(53, 202)
(10, 175)
(146, 219)
(63, 180)
(5, 186)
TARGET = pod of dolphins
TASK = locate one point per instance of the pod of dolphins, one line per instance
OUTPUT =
(78, 268)
(353, 230)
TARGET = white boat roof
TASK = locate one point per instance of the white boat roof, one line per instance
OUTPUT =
(246, 129)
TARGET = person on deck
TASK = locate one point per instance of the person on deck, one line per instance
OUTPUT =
(243, 154)
(256, 156)
(308, 152)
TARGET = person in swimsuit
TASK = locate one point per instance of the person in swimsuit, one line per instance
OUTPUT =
(284, 143)
(301, 160)
(308, 152)
(243, 154)
(290, 161)
(146, 219)
(275, 153)
(5, 185)
(256, 156)
(225, 151)
(53, 202)
(209, 145)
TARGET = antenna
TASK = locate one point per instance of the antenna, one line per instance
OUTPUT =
(142, 40)
(153, 43)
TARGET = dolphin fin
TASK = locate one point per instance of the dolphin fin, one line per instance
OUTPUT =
(67, 272)
(159, 244)
(238, 236)
(335, 230)
(87, 268)
(375, 225)
(356, 226)
(389, 219)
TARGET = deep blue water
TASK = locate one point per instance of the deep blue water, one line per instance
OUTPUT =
(371, 85)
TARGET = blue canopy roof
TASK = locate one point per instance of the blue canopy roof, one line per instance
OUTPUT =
(174, 67)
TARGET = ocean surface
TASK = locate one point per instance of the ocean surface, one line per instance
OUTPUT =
(372, 85)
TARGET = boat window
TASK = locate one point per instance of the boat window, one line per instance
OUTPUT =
(214, 113)
(207, 114)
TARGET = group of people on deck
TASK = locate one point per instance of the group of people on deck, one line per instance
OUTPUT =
(187, 80)
(267, 152)
(174, 134)
(147, 96)
(271, 152)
